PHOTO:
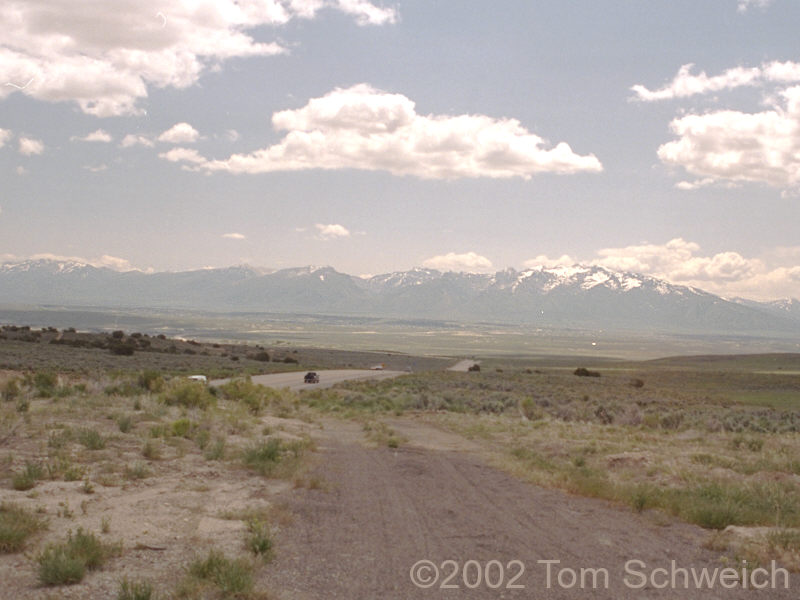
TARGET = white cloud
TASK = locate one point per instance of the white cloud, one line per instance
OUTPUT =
(695, 185)
(469, 262)
(734, 146)
(96, 136)
(547, 262)
(105, 55)
(234, 236)
(367, 13)
(136, 140)
(113, 262)
(743, 5)
(685, 84)
(677, 261)
(5, 135)
(21, 171)
(331, 231)
(772, 275)
(364, 128)
(28, 146)
(180, 154)
(180, 133)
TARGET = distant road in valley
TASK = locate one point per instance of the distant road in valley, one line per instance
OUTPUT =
(294, 380)
(463, 365)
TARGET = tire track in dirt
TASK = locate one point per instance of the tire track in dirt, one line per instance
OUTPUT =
(385, 509)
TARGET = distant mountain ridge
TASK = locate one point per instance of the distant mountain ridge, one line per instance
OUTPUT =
(574, 296)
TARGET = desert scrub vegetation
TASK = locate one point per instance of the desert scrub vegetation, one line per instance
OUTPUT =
(27, 478)
(216, 573)
(190, 394)
(259, 539)
(83, 352)
(91, 439)
(275, 457)
(382, 435)
(135, 589)
(16, 526)
(722, 485)
(667, 399)
(79, 458)
(255, 397)
(66, 563)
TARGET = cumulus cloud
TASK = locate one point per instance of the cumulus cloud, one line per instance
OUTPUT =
(29, 146)
(729, 273)
(331, 231)
(729, 147)
(367, 13)
(181, 154)
(739, 147)
(544, 261)
(180, 133)
(677, 261)
(364, 128)
(469, 262)
(136, 140)
(695, 185)
(5, 135)
(234, 236)
(686, 84)
(96, 136)
(105, 55)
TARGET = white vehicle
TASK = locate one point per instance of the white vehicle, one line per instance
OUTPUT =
(201, 378)
(377, 367)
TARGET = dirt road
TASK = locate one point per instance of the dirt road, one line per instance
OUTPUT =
(382, 510)
(294, 380)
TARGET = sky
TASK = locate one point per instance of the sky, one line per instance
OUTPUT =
(658, 137)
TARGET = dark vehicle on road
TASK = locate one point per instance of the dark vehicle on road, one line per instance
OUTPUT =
(311, 377)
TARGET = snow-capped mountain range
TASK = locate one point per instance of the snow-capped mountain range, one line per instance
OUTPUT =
(571, 296)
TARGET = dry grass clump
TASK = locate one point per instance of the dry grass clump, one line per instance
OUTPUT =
(135, 589)
(382, 435)
(67, 562)
(190, 394)
(16, 526)
(275, 457)
(228, 577)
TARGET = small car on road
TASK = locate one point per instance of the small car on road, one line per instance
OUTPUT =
(311, 377)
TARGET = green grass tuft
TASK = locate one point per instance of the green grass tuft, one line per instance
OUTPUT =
(135, 590)
(231, 576)
(92, 439)
(16, 526)
(66, 563)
